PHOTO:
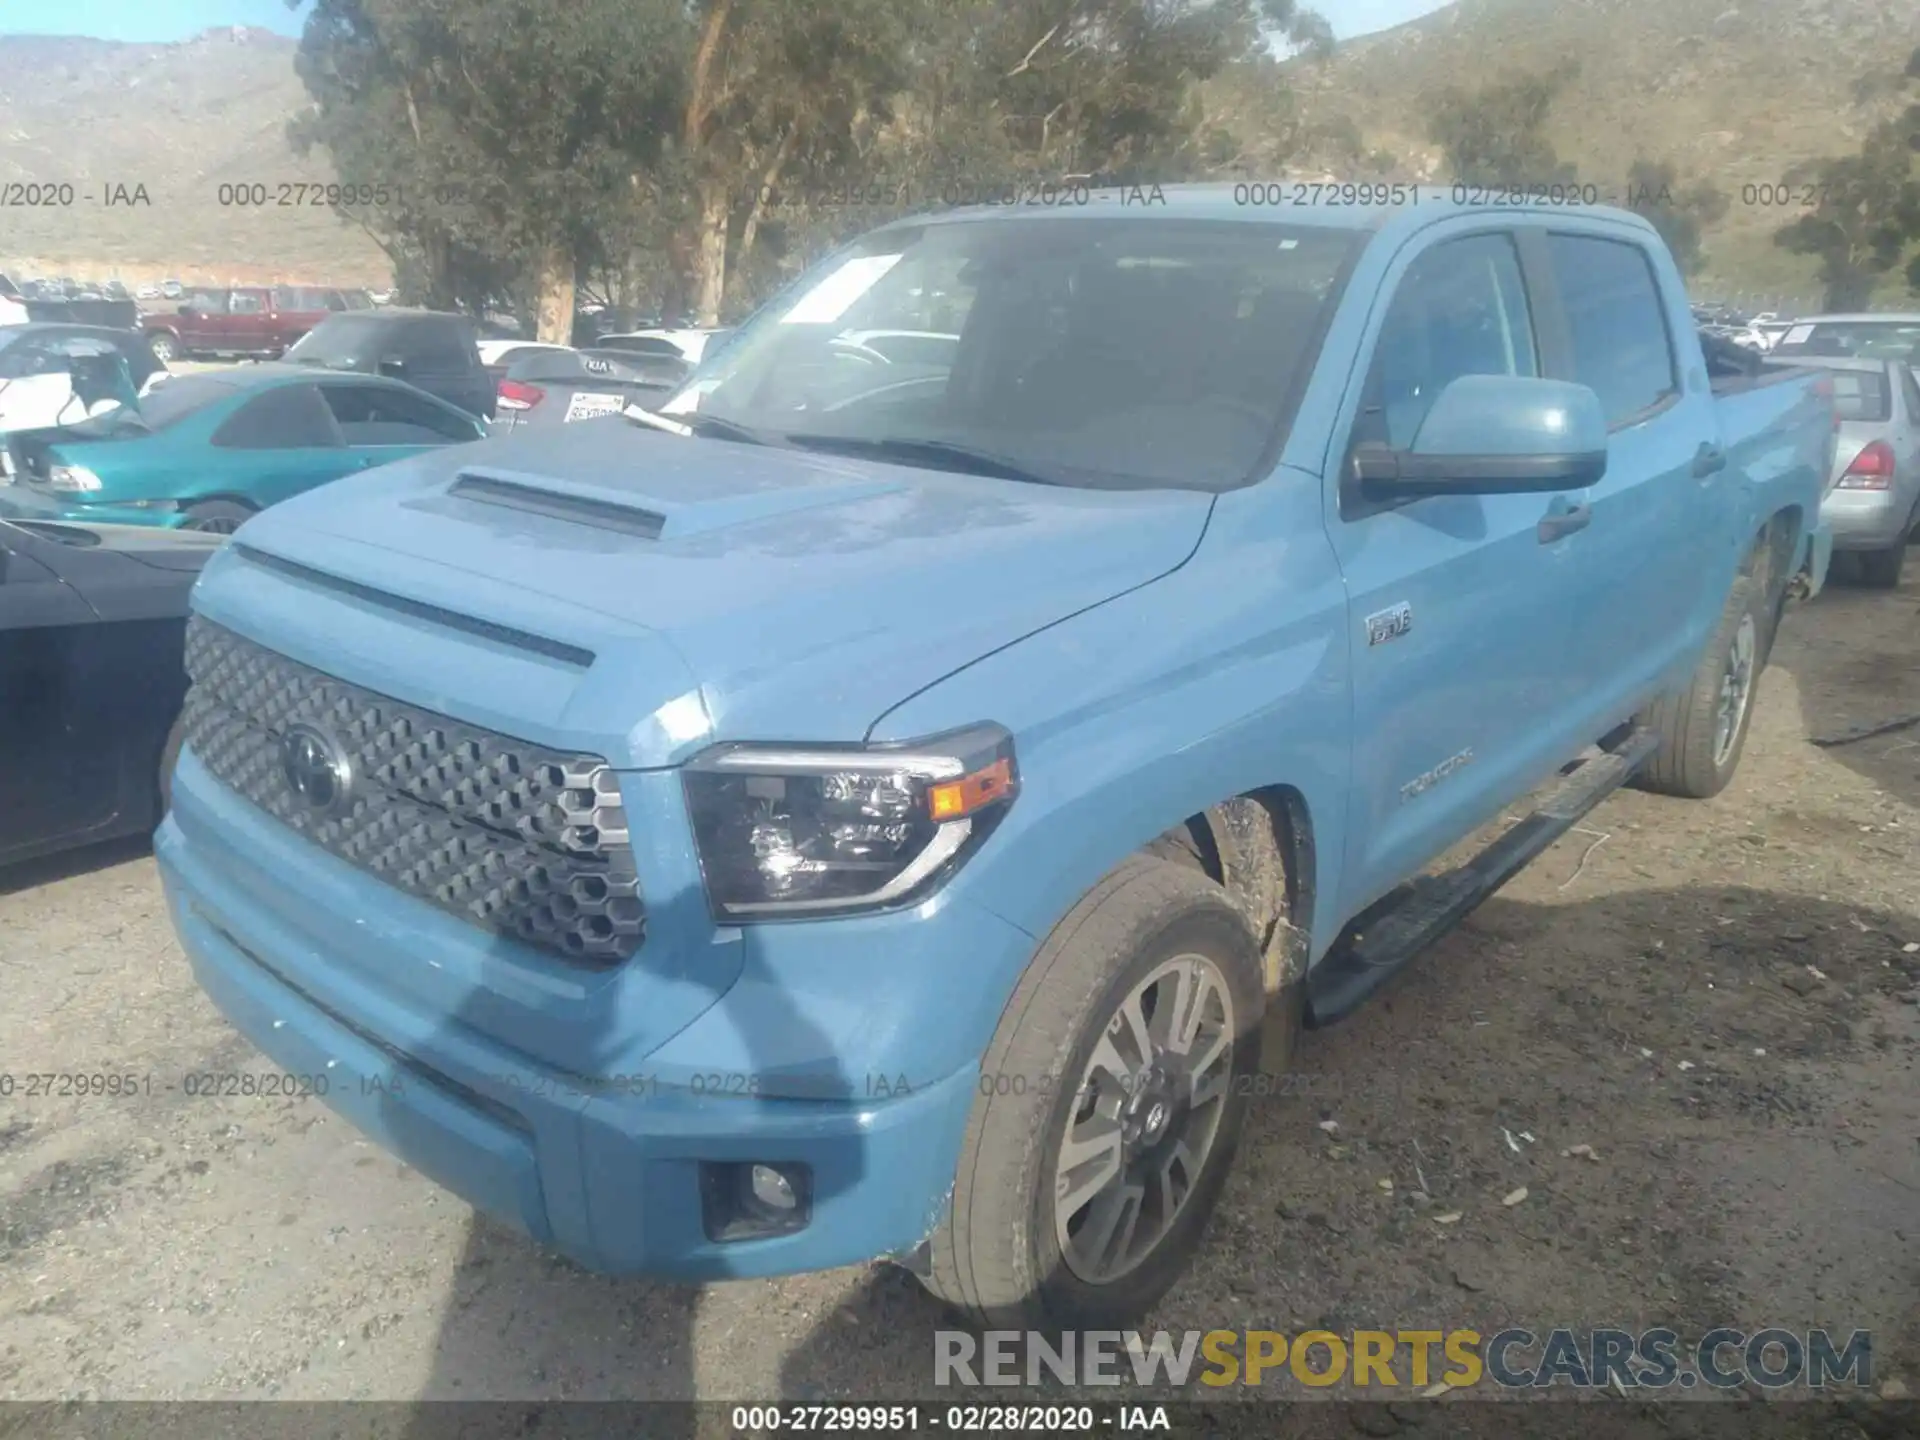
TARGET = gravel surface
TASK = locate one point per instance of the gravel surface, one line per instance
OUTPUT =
(1717, 998)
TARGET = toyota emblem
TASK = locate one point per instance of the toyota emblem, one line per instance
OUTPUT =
(316, 768)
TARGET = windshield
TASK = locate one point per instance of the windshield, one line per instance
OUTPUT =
(163, 406)
(1080, 351)
(342, 342)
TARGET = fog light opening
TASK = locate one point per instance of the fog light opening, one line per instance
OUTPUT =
(772, 1190)
(755, 1199)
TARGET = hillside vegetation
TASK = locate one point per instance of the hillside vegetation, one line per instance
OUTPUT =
(179, 120)
(1738, 93)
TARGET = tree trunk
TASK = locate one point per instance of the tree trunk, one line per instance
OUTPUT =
(439, 267)
(710, 253)
(701, 276)
(556, 298)
(770, 177)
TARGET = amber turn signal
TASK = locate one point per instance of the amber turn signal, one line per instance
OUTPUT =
(953, 799)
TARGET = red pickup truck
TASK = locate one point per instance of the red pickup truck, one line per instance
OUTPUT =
(246, 320)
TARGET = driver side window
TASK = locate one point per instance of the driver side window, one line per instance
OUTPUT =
(1460, 309)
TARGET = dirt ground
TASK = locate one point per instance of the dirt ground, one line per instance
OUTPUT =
(1718, 998)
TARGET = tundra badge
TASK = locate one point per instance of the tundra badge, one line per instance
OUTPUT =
(1389, 624)
(1420, 784)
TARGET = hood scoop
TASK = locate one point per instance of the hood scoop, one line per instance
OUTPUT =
(483, 489)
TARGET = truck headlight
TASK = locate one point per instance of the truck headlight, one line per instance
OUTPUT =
(788, 831)
(71, 479)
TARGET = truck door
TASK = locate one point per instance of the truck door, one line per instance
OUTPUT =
(1457, 604)
(248, 324)
(1651, 566)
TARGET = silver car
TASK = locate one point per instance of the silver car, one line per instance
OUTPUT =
(1887, 336)
(1873, 496)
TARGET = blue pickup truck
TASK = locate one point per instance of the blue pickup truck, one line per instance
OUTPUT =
(907, 805)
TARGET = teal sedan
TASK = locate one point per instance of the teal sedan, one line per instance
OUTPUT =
(207, 451)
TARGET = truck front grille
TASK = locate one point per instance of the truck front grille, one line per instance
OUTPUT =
(512, 837)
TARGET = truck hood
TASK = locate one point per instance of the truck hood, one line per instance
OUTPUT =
(804, 595)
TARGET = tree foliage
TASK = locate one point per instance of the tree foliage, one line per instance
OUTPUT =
(1864, 225)
(1680, 212)
(691, 150)
(1497, 134)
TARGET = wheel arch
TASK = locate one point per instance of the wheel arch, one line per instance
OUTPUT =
(1260, 847)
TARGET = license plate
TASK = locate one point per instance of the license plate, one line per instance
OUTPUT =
(586, 407)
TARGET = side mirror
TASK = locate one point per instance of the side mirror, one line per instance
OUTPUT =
(187, 309)
(1494, 435)
(392, 365)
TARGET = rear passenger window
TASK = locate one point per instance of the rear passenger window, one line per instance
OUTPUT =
(374, 415)
(1862, 395)
(291, 417)
(435, 349)
(1619, 330)
(1461, 309)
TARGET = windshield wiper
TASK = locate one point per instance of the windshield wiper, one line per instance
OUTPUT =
(932, 454)
(711, 427)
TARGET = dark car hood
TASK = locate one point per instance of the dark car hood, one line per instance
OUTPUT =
(183, 550)
(804, 595)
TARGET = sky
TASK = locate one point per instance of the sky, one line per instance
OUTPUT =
(160, 20)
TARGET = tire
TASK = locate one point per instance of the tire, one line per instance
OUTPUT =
(1697, 757)
(1880, 569)
(998, 1255)
(169, 757)
(217, 517)
(163, 347)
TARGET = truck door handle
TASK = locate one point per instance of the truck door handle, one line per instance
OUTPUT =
(1708, 460)
(1556, 524)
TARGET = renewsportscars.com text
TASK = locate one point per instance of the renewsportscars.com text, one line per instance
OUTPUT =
(1602, 1358)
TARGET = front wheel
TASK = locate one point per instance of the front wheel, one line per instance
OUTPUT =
(163, 347)
(1111, 1102)
(1703, 729)
(217, 517)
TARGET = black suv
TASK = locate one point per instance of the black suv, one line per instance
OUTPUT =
(428, 349)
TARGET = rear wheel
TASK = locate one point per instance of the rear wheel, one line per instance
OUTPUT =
(1111, 1102)
(1881, 568)
(217, 517)
(163, 347)
(1703, 728)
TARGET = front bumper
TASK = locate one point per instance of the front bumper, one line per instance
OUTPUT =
(606, 1170)
(19, 501)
